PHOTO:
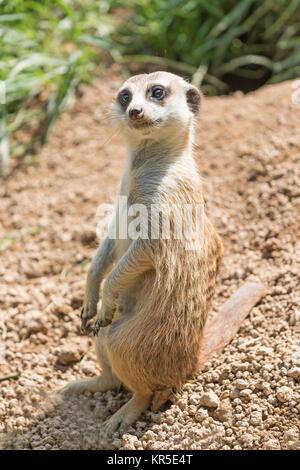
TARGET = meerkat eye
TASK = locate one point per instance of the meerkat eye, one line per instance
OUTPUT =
(124, 97)
(158, 92)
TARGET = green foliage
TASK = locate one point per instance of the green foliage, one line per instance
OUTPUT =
(42, 60)
(255, 39)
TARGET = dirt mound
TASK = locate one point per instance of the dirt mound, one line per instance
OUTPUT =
(248, 150)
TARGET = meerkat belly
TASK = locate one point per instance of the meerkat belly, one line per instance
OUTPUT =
(122, 246)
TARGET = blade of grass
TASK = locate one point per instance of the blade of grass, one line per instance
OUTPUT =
(284, 17)
(4, 141)
(12, 17)
(287, 75)
(58, 99)
(231, 18)
(149, 59)
(246, 60)
(10, 376)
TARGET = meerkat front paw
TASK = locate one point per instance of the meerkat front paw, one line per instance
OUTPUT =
(88, 311)
(104, 318)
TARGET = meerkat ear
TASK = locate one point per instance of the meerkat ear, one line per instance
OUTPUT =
(194, 99)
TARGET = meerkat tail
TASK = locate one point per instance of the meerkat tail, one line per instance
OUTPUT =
(221, 329)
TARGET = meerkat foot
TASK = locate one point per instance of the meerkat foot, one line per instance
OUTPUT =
(127, 415)
(159, 399)
(96, 384)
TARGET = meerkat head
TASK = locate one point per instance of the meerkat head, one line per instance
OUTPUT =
(155, 105)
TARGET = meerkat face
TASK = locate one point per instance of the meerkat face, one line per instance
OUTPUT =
(153, 105)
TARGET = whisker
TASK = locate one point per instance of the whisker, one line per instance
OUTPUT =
(103, 116)
(110, 137)
(103, 120)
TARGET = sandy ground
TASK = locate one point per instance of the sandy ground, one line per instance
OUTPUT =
(248, 150)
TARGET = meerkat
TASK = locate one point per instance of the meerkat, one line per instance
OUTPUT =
(157, 291)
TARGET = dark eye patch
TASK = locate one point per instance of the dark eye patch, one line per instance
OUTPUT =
(124, 98)
(157, 93)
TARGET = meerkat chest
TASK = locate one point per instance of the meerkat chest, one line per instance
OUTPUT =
(133, 207)
(123, 239)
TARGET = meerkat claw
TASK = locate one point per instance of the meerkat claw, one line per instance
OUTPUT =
(83, 321)
(120, 428)
(86, 313)
(113, 425)
(81, 312)
(100, 323)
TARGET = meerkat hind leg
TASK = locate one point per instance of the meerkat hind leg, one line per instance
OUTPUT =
(101, 383)
(160, 398)
(128, 414)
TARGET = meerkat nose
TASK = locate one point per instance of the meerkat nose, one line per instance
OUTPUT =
(136, 114)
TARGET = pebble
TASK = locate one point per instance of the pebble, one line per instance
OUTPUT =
(201, 415)
(241, 384)
(224, 412)
(129, 441)
(264, 351)
(284, 394)
(34, 322)
(256, 418)
(272, 444)
(210, 399)
(294, 372)
(246, 393)
(67, 356)
(294, 318)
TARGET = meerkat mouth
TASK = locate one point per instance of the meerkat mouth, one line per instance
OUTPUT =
(145, 124)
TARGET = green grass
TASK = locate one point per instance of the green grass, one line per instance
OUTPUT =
(48, 48)
(42, 61)
(8, 241)
(252, 40)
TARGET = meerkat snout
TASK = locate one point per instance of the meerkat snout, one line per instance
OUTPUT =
(136, 114)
